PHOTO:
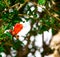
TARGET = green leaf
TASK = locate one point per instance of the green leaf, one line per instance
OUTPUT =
(41, 2)
(21, 1)
(6, 35)
(9, 26)
(17, 44)
(2, 36)
(47, 23)
(9, 35)
(1, 49)
(52, 20)
(2, 5)
(54, 31)
(43, 28)
(5, 16)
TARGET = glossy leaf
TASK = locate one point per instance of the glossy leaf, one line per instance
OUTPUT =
(41, 2)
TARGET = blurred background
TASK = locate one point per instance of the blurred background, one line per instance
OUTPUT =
(40, 35)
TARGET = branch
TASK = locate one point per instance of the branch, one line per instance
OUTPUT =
(21, 5)
(25, 50)
(11, 7)
(50, 14)
(47, 11)
(29, 16)
(6, 2)
(8, 44)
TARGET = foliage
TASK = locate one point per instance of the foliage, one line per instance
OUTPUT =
(12, 12)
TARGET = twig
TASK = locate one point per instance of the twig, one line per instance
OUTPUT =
(50, 14)
(11, 7)
(8, 44)
(5, 1)
(29, 16)
(21, 5)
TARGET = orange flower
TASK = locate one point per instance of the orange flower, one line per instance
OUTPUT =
(17, 28)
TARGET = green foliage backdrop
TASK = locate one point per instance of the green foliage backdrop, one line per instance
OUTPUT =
(12, 12)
